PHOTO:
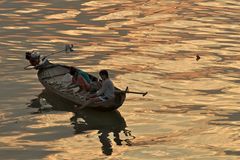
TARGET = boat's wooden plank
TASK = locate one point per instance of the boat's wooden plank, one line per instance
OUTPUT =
(49, 77)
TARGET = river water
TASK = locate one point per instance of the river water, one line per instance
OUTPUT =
(192, 107)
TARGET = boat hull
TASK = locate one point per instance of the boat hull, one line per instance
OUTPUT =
(51, 75)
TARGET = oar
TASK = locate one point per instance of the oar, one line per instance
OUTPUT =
(134, 92)
(142, 93)
(68, 48)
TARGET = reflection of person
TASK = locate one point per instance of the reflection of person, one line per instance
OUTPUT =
(111, 123)
(105, 93)
(106, 143)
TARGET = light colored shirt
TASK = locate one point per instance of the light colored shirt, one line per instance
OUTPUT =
(107, 89)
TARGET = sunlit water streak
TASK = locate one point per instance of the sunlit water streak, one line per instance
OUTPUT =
(191, 111)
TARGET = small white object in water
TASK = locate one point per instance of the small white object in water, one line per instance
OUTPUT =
(44, 104)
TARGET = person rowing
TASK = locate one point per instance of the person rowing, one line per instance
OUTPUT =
(106, 92)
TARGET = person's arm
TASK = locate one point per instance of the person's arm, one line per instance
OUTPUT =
(102, 89)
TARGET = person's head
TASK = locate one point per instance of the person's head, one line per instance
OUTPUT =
(103, 74)
(33, 57)
(72, 71)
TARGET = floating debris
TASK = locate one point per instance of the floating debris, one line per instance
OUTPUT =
(44, 104)
(197, 57)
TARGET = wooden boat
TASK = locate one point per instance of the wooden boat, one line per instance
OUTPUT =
(51, 75)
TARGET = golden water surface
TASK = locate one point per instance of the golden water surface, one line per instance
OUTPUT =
(192, 110)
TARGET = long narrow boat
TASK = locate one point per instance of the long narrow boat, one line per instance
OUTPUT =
(51, 76)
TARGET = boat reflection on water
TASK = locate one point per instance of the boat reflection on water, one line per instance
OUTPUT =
(106, 123)
(47, 101)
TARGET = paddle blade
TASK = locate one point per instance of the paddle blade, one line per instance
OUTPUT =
(69, 48)
(144, 94)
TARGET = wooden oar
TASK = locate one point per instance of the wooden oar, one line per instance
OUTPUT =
(134, 92)
(68, 48)
(142, 93)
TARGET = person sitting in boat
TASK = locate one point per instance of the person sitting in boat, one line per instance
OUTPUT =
(80, 78)
(105, 93)
(36, 59)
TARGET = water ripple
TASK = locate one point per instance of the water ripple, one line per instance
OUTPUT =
(148, 45)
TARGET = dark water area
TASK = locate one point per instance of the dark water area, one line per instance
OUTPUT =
(191, 111)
